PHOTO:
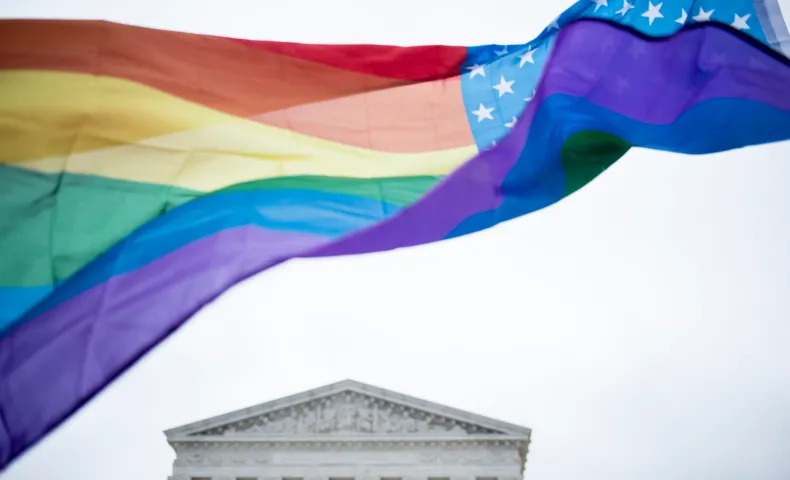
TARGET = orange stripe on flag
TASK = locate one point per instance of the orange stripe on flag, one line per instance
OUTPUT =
(413, 118)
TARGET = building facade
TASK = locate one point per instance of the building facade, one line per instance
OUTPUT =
(349, 431)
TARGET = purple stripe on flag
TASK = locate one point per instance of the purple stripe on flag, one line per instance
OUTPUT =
(54, 363)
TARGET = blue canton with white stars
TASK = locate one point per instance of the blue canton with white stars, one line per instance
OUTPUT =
(499, 81)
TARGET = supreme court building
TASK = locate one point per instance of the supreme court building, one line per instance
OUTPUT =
(349, 431)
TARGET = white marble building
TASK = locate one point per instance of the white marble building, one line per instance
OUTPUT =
(349, 431)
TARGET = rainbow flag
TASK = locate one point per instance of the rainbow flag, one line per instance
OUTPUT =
(144, 172)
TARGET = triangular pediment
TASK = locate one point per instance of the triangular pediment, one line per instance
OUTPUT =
(348, 409)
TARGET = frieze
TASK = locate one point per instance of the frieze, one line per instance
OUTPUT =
(256, 455)
(470, 457)
(217, 456)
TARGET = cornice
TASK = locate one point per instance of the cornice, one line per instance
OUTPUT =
(344, 441)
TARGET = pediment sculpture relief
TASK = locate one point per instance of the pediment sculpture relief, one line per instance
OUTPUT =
(348, 413)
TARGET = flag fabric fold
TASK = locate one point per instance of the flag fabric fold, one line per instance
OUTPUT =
(144, 172)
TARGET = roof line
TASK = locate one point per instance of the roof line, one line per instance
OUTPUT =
(338, 387)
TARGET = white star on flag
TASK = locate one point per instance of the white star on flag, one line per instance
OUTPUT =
(683, 17)
(511, 123)
(476, 70)
(555, 24)
(529, 99)
(504, 86)
(483, 113)
(502, 52)
(703, 16)
(527, 57)
(653, 12)
(626, 7)
(740, 22)
(600, 3)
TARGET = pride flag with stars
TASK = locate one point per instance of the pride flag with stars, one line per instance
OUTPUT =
(144, 172)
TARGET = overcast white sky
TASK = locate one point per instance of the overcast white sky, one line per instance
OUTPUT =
(641, 327)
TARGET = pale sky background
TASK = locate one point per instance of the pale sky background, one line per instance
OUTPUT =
(641, 327)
